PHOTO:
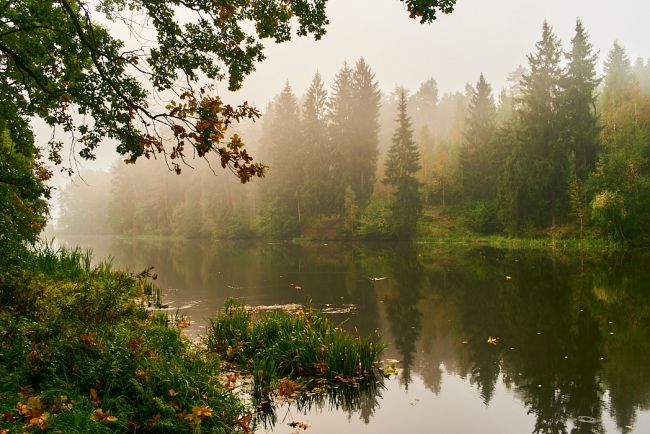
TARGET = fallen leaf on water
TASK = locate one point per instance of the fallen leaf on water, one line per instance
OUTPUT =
(183, 322)
(298, 425)
(492, 341)
(391, 370)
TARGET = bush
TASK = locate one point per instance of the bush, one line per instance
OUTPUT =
(374, 222)
(482, 218)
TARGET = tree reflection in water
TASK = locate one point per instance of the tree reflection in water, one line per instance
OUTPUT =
(574, 330)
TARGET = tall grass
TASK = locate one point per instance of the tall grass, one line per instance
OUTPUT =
(299, 345)
(79, 353)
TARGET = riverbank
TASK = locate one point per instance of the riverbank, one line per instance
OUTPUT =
(81, 352)
(437, 226)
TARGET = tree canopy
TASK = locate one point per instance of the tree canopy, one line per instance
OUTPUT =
(62, 61)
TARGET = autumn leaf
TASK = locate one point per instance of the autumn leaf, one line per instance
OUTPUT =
(244, 423)
(298, 425)
(201, 411)
(492, 341)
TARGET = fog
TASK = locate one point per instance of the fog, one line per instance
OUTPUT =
(467, 137)
(492, 37)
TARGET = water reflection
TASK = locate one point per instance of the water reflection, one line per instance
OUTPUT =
(359, 398)
(573, 331)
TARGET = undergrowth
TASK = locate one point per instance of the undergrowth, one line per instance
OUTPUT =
(301, 345)
(80, 353)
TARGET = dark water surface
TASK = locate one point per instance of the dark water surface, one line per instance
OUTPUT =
(573, 348)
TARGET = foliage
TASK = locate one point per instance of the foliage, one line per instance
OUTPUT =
(23, 197)
(374, 221)
(482, 218)
(59, 63)
(295, 345)
(80, 354)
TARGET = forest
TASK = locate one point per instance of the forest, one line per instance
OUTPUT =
(561, 152)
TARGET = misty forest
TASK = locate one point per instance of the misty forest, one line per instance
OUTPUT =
(358, 256)
(562, 152)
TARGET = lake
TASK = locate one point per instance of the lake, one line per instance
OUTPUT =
(569, 334)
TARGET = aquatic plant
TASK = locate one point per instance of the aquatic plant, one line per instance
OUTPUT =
(301, 344)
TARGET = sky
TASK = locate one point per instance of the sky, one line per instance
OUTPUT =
(491, 37)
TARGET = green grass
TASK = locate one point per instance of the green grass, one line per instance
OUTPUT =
(448, 226)
(78, 353)
(299, 345)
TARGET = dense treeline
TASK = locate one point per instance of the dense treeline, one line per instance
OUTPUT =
(564, 151)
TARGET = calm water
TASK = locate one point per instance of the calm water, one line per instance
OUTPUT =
(573, 350)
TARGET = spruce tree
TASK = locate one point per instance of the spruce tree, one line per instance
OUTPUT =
(618, 76)
(403, 161)
(364, 152)
(539, 119)
(423, 105)
(580, 129)
(318, 166)
(475, 168)
(341, 126)
(282, 149)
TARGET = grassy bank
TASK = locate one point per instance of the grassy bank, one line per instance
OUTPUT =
(448, 226)
(80, 352)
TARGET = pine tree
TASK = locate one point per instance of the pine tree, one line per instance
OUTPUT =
(401, 165)
(540, 122)
(341, 126)
(284, 153)
(364, 152)
(318, 194)
(423, 105)
(618, 76)
(475, 168)
(580, 130)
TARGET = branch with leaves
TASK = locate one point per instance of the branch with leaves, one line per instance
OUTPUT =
(60, 65)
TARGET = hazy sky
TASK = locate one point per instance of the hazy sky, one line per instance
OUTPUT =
(489, 36)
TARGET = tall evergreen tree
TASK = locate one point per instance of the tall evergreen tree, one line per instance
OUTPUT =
(580, 129)
(402, 162)
(475, 168)
(539, 119)
(616, 91)
(341, 126)
(364, 151)
(285, 155)
(423, 105)
(318, 195)
(618, 76)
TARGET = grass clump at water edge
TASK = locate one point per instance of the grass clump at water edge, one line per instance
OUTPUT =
(80, 353)
(301, 345)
